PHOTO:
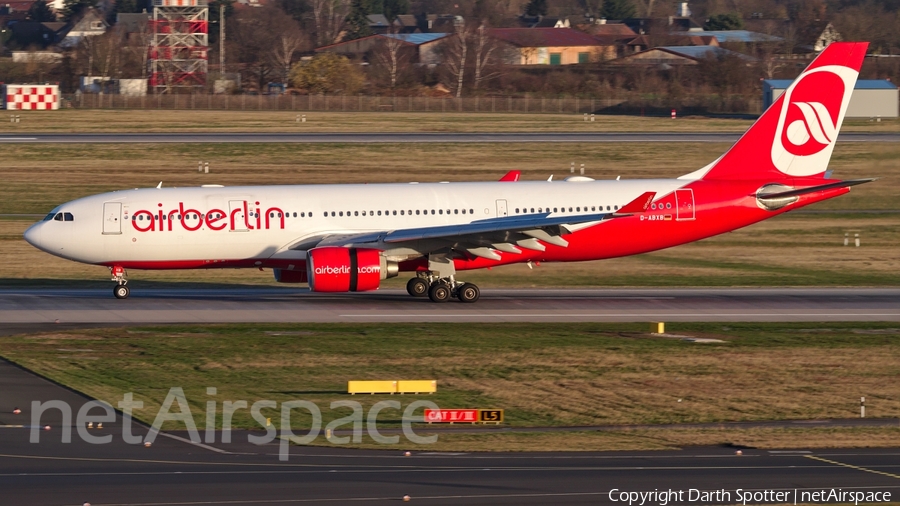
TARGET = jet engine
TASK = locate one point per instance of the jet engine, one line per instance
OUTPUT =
(337, 269)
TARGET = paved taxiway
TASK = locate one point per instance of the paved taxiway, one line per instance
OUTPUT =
(404, 137)
(175, 471)
(277, 304)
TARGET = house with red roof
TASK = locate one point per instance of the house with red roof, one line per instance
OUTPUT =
(548, 46)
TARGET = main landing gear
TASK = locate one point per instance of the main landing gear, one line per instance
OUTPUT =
(442, 289)
(118, 275)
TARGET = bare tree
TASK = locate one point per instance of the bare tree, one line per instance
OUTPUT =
(329, 17)
(288, 43)
(390, 54)
(109, 46)
(138, 44)
(87, 47)
(485, 47)
(456, 48)
(263, 41)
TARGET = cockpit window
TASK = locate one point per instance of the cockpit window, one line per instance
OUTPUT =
(59, 217)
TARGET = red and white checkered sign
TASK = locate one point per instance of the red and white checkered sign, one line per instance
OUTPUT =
(32, 97)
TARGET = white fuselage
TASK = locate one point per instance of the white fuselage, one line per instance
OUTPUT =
(178, 227)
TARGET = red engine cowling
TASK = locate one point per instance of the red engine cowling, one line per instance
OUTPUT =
(337, 269)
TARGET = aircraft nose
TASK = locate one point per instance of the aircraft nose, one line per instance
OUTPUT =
(33, 235)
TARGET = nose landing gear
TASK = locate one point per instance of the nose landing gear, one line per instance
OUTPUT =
(118, 275)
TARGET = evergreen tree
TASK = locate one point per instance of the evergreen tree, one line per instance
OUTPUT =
(40, 11)
(393, 8)
(357, 22)
(730, 21)
(617, 9)
(536, 8)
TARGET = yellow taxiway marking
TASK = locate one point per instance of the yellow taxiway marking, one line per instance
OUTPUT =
(851, 466)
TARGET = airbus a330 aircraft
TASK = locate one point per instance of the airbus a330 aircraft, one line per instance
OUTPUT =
(347, 238)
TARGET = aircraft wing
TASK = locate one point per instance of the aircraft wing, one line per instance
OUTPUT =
(482, 237)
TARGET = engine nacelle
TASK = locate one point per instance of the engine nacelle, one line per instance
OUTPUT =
(337, 269)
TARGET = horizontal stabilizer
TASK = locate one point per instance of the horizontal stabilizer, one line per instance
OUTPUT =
(813, 189)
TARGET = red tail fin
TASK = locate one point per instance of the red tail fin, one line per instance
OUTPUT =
(796, 135)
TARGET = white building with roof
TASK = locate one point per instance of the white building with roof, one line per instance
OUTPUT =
(871, 98)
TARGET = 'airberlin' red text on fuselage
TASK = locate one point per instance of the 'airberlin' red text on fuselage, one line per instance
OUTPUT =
(192, 220)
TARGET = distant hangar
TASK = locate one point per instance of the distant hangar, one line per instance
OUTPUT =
(871, 97)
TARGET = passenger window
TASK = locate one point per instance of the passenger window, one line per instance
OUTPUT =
(668, 206)
(355, 213)
(440, 211)
(395, 213)
(417, 212)
(379, 213)
(456, 211)
(471, 211)
(464, 211)
(617, 208)
(401, 212)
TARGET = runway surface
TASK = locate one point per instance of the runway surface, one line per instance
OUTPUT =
(174, 471)
(186, 137)
(276, 304)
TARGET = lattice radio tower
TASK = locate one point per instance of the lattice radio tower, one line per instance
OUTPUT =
(179, 47)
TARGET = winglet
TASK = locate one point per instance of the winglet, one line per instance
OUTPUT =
(511, 176)
(638, 205)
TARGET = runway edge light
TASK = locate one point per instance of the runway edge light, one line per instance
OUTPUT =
(658, 328)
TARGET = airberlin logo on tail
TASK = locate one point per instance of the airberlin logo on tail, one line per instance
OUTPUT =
(810, 120)
(811, 134)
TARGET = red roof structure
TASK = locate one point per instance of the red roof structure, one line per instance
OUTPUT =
(17, 5)
(544, 37)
